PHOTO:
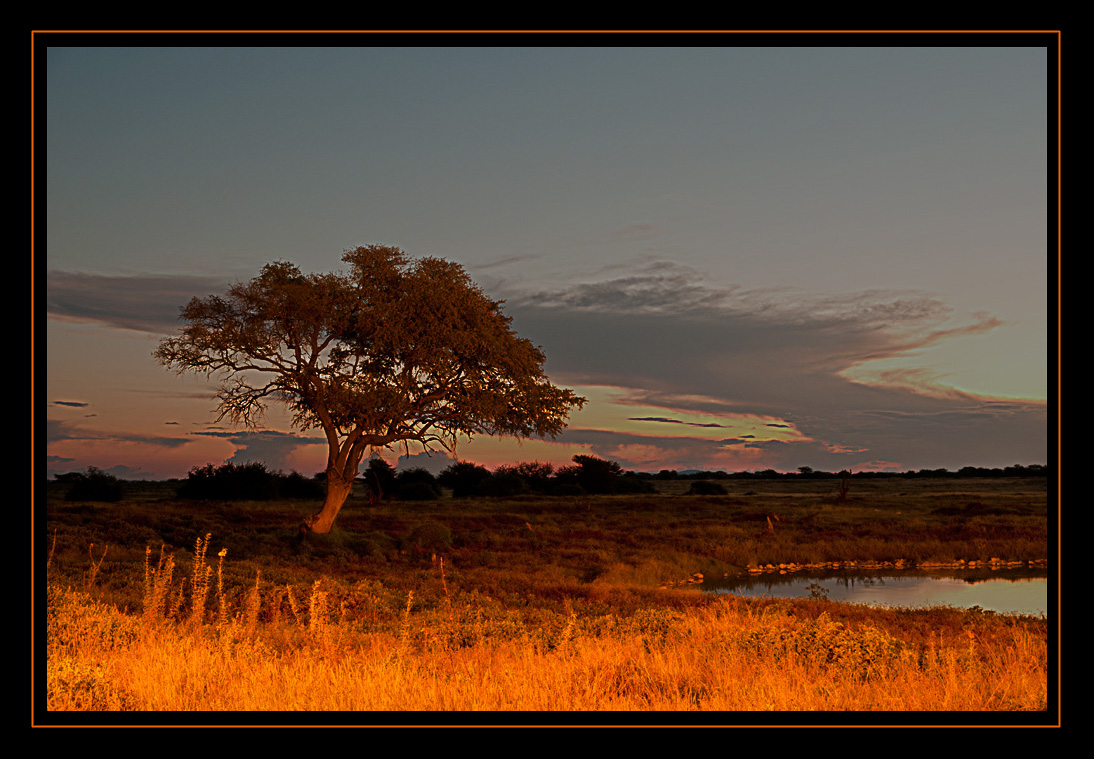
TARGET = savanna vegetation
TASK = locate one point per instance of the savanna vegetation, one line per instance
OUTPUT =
(393, 350)
(518, 599)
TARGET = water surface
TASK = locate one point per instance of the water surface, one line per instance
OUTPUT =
(1005, 592)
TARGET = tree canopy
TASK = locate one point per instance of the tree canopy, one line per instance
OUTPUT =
(393, 350)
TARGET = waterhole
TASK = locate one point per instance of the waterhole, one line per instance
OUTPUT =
(1004, 592)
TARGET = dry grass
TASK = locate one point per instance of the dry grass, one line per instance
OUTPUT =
(529, 607)
(725, 656)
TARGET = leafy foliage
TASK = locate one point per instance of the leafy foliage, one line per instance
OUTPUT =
(379, 478)
(416, 485)
(591, 474)
(393, 350)
(431, 537)
(464, 478)
(245, 482)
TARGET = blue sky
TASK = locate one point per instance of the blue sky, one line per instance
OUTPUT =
(745, 256)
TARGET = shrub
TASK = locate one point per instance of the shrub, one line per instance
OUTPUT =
(503, 484)
(249, 482)
(464, 479)
(377, 544)
(569, 489)
(296, 485)
(536, 475)
(379, 478)
(592, 474)
(418, 491)
(416, 485)
(431, 537)
(866, 651)
(630, 484)
(705, 487)
(246, 482)
(93, 485)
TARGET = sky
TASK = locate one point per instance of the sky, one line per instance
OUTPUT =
(746, 256)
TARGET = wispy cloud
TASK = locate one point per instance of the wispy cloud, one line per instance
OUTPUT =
(145, 303)
(58, 430)
(654, 288)
(679, 346)
(674, 421)
(667, 335)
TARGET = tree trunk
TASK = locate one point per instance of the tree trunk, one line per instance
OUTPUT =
(338, 490)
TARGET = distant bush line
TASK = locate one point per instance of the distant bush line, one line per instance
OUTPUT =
(808, 473)
(92, 485)
(588, 475)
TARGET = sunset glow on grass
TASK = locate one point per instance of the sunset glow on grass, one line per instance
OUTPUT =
(384, 373)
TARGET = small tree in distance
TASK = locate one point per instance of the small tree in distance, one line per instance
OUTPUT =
(463, 478)
(592, 474)
(379, 478)
(395, 350)
(92, 485)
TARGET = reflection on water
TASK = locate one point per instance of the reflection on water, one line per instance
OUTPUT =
(1006, 592)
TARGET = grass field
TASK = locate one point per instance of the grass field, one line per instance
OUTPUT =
(535, 605)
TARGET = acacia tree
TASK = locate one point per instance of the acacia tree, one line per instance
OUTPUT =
(394, 350)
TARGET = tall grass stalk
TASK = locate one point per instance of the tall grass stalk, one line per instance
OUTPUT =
(222, 603)
(157, 584)
(199, 581)
(93, 570)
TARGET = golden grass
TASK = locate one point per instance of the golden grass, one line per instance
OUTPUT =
(537, 606)
(727, 655)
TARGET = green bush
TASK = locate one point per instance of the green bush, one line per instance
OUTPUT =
(431, 537)
(865, 651)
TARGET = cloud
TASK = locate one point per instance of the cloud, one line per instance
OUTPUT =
(673, 421)
(58, 431)
(676, 342)
(507, 261)
(73, 404)
(125, 472)
(658, 287)
(434, 462)
(145, 303)
(270, 447)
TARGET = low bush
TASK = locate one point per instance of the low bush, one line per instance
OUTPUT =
(92, 485)
(416, 485)
(431, 537)
(706, 487)
(418, 491)
(246, 482)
